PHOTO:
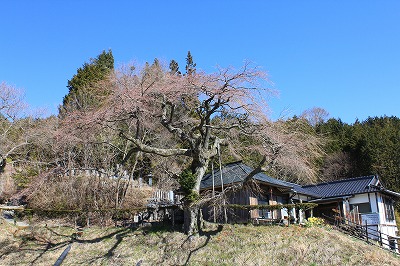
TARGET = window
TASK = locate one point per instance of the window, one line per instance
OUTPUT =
(389, 211)
(361, 207)
(264, 213)
(281, 200)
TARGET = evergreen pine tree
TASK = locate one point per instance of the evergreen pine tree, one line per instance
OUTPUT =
(190, 65)
(174, 68)
(81, 95)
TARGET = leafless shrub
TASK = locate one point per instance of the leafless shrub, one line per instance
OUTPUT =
(81, 196)
(7, 184)
(337, 165)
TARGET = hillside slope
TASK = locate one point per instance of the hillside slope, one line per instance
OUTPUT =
(224, 245)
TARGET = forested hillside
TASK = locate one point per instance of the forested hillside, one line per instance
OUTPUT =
(363, 148)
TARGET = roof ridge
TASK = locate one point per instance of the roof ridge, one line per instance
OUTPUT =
(341, 180)
(243, 167)
(235, 162)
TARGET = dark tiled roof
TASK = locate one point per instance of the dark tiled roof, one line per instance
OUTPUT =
(344, 187)
(299, 189)
(238, 171)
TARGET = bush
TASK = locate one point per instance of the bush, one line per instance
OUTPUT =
(60, 196)
(187, 180)
(315, 221)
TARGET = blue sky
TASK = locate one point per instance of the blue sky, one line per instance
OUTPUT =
(343, 56)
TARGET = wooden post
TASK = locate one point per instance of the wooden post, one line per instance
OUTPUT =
(213, 189)
(380, 237)
(366, 230)
(294, 214)
(345, 211)
(222, 184)
(301, 213)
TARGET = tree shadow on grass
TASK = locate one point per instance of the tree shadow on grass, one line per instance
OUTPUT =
(207, 234)
(121, 234)
(9, 247)
(49, 247)
(46, 245)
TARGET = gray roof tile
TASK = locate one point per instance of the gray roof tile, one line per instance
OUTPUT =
(344, 187)
(236, 172)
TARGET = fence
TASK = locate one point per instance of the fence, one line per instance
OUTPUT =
(365, 232)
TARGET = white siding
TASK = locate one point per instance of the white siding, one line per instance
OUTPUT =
(387, 228)
(360, 198)
(374, 207)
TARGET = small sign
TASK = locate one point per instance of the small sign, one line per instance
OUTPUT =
(370, 218)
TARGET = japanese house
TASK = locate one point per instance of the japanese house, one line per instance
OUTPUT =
(271, 191)
(361, 200)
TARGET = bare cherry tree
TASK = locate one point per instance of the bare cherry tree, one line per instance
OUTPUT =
(12, 107)
(315, 115)
(21, 135)
(336, 166)
(192, 116)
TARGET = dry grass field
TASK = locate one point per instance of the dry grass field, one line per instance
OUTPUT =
(217, 245)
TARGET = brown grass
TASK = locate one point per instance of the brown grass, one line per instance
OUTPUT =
(227, 245)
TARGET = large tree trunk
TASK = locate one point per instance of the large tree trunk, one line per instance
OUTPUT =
(199, 168)
(191, 218)
(191, 211)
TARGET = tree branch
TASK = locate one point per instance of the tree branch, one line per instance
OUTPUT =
(159, 151)
(167, 123)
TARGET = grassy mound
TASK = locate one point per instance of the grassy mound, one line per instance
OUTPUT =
(217, 245)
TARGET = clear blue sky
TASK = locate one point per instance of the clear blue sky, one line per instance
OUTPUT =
(343, 56)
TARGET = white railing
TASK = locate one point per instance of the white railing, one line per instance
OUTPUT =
(167, 197)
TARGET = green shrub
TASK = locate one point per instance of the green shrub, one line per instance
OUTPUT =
(315, 221)
(187, 180)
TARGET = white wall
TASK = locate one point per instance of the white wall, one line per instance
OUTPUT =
(387, 228)
(374, 207)
(360, 198)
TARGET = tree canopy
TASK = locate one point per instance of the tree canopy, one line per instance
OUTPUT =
(155, 112)
(363, 148)
(81, 86)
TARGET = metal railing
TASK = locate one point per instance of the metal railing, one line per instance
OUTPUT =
(364, 232)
